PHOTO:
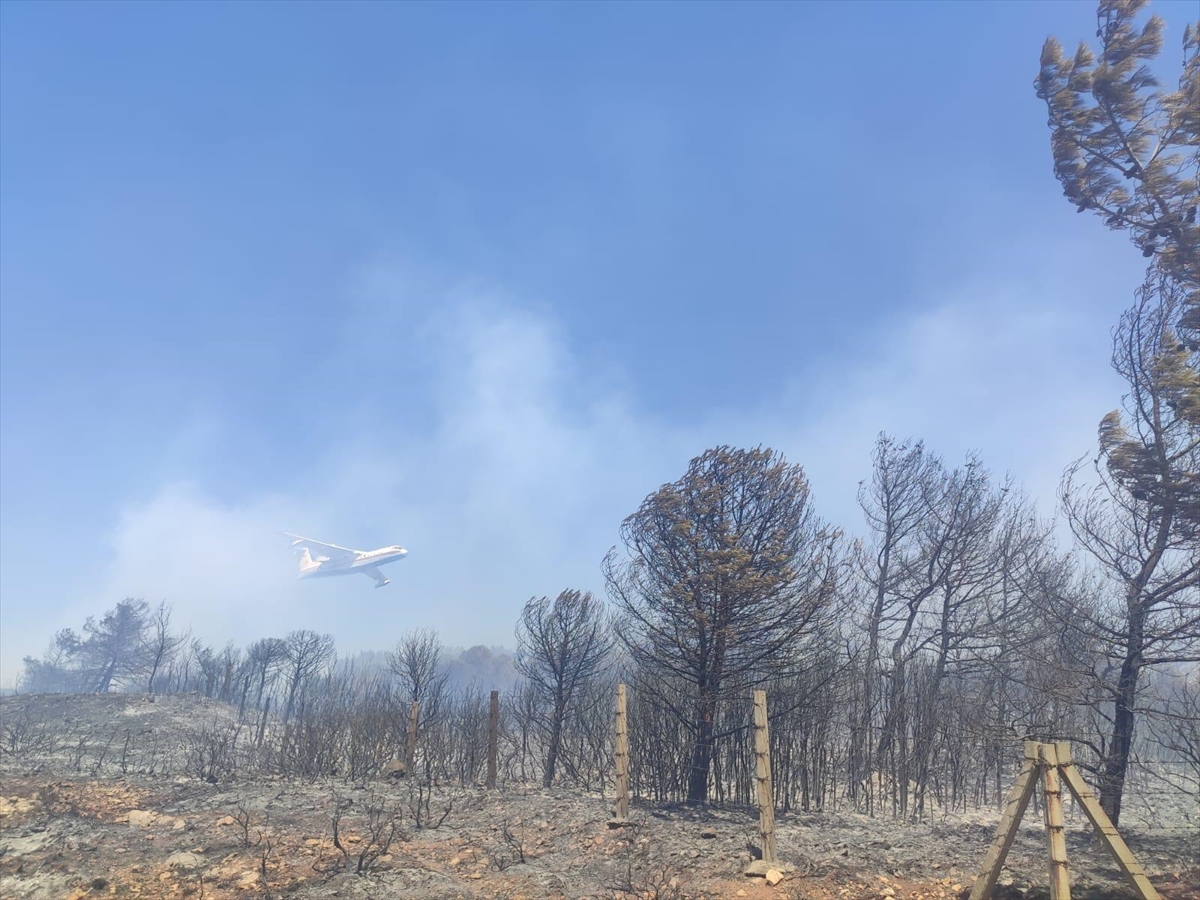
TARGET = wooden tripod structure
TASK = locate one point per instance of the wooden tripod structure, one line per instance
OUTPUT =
(1051, 763)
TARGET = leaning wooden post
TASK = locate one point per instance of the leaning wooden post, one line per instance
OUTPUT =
(410, 744)
(493, 738)
(766, 798)
(1103, 825)
(1010, 821)
(1060, 882)
(621, 757)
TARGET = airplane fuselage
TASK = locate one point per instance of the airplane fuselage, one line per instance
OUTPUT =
(365, 559)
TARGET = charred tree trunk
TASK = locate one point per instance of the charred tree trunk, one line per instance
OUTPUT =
(106, 677)
(555, 743)
(1116, 763)
(697, 790)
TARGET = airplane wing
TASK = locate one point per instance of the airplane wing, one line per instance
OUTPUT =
(380, 580)
(333, 551)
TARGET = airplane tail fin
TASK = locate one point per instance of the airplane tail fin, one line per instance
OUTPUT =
(307, 563)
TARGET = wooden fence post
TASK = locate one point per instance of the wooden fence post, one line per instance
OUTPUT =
(766, 798)
(621, 757)
(410, 745)
(493, 738)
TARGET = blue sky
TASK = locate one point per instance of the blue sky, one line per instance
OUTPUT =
(476, 278)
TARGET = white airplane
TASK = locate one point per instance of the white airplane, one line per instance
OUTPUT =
(331, 559)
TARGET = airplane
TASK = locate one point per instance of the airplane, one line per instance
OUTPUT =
(334, 560)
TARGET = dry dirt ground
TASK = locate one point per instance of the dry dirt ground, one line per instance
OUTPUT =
(98, 833)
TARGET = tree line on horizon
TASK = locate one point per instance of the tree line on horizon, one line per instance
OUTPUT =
(904, 664)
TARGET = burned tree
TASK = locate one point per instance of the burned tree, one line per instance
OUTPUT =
(161, 644)
(416, 661)
(562, 646)
(944, 572)
(307, 653)
(114, 650)
(57, 671)
(208, 664)
(1124, 148)
(988, 542)
(728, 571)
(895, 503)
(1140, 519)
(264, 659)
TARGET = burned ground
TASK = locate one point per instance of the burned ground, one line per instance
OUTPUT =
(114, 796)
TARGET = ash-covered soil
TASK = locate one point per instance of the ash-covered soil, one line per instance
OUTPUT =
(137, 826)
